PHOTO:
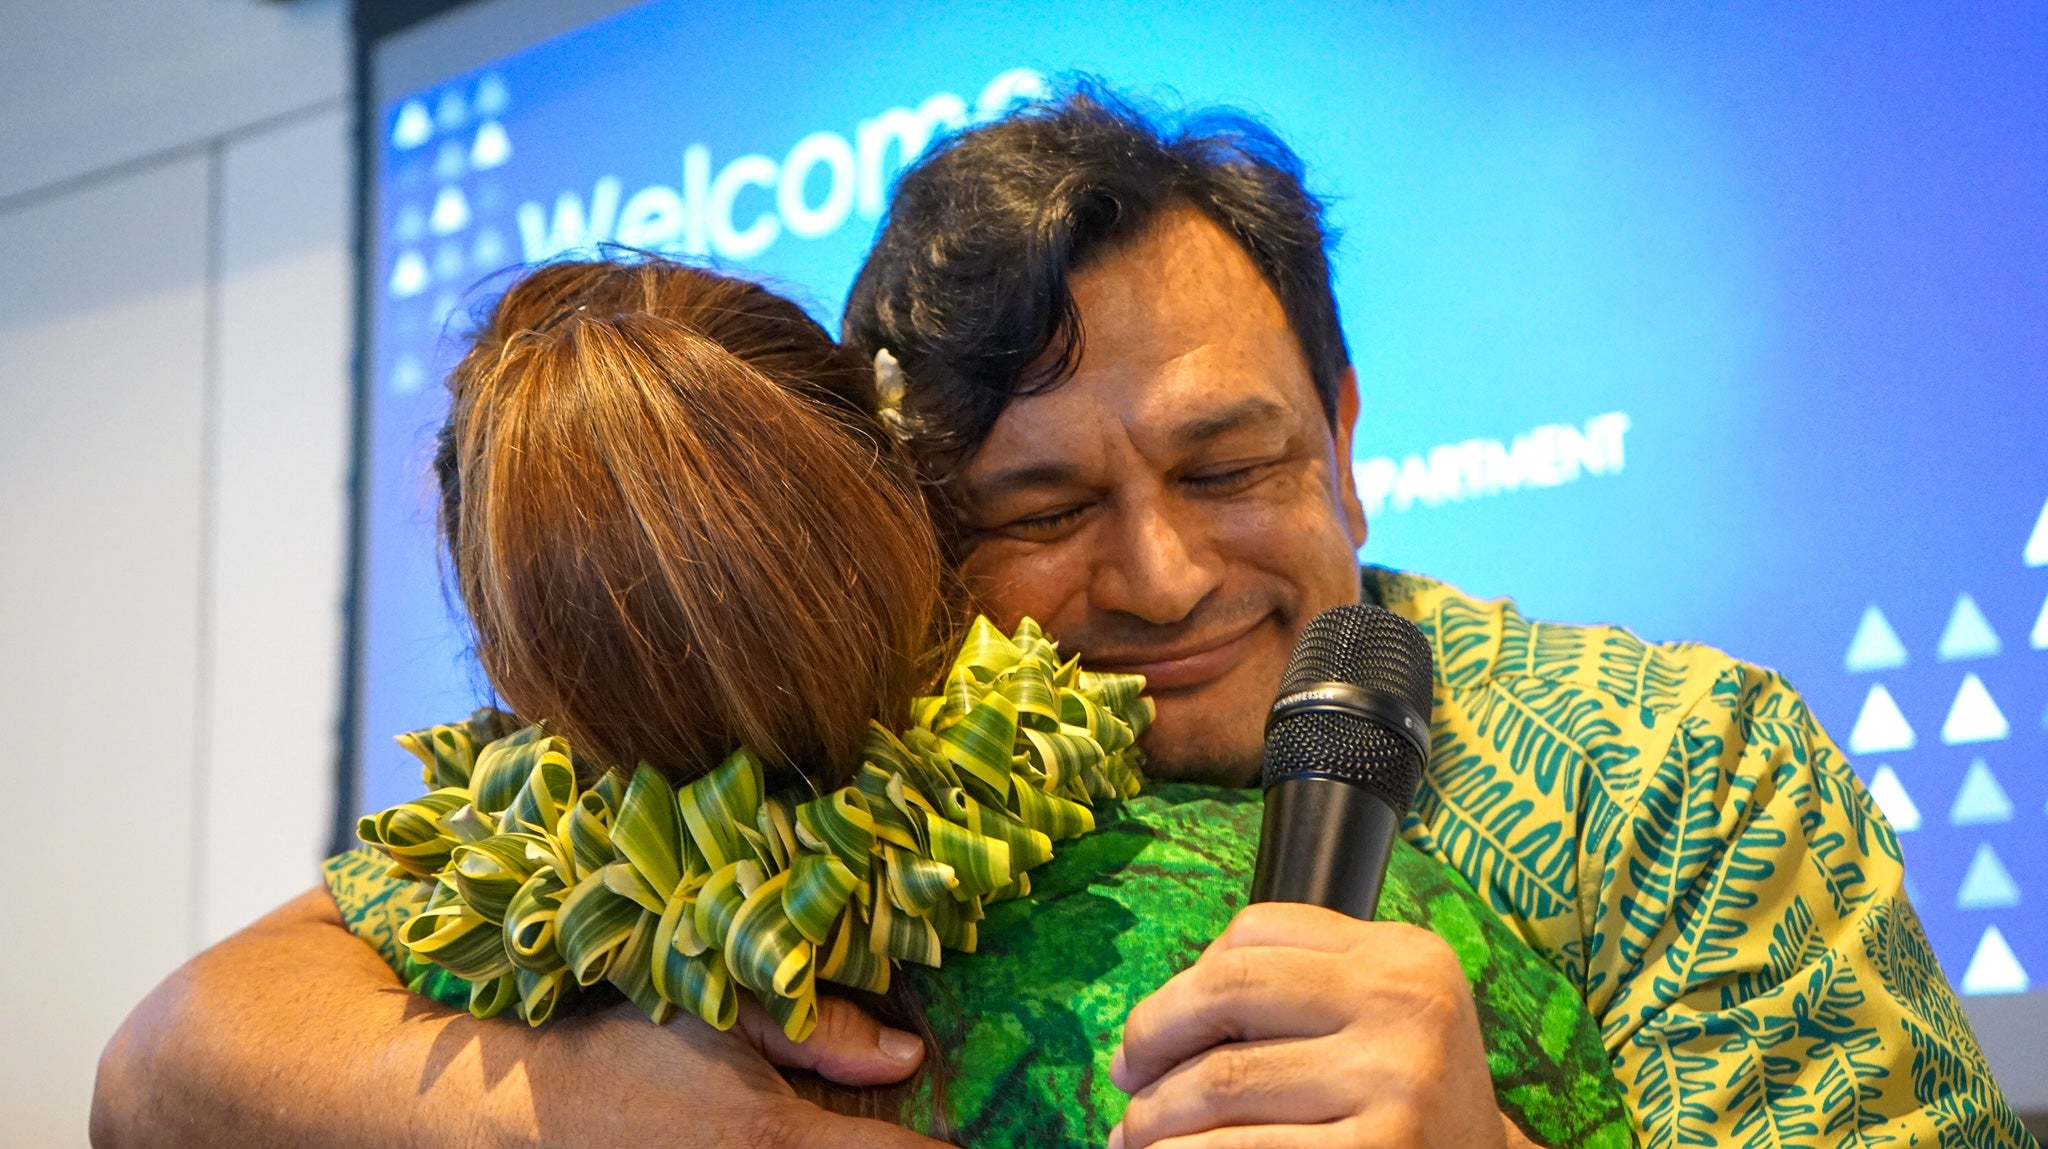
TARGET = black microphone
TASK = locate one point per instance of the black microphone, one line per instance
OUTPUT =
(1345, 746)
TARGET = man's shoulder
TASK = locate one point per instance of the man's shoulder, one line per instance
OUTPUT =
(1488, 643)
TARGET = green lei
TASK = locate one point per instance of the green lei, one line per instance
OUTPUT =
(535, 887)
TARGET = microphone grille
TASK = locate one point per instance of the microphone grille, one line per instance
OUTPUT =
(1370, 647)
(1364, 645)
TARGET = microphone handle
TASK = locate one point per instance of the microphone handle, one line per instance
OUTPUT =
(1324, 842)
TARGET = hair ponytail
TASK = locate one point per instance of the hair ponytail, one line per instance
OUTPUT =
(674, 525)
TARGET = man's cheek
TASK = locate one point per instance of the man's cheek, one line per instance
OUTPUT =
(1303, 551)
(1005, 584)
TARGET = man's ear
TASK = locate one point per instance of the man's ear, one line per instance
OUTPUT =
(1347, 476)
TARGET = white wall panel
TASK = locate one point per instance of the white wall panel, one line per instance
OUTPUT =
(281, 440)
(102, 393)
(89, 83)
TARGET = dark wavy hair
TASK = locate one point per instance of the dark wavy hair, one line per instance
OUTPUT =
(967, 284)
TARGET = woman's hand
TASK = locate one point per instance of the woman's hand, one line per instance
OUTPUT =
(1303, 1027)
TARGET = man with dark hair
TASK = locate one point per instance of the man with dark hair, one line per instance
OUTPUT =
(1123, 370)
(1124, 376)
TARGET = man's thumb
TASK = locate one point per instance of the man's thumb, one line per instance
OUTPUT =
(848, 1046)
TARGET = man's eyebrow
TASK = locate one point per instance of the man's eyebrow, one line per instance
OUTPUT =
(1251, 411)
(1023, 478)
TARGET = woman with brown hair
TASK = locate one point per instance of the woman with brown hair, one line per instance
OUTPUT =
(675, 525)
(703, 578)
(682, 538)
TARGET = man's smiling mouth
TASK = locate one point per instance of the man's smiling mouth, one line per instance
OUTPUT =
(1185, 665)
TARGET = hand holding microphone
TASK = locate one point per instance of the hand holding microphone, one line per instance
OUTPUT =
(1307, 1023)
(1346, 743)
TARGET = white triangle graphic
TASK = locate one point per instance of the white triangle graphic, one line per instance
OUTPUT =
(1880, 728)
(2036, 554)
(448, 162)
(1876, 645)
(492, 147)
(1973, 716)
(451, 214)
(1891, 797)
(1968, 633)
(2039, 639)
(413, 128)
(450, 113)
(1981, 801)
(491, 96)
(408, 275)
(1988, 885)
(1994, 968)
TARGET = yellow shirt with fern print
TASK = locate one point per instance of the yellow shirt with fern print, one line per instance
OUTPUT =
(1674, 832)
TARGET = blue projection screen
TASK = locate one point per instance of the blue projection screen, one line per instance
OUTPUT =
(1727, 326)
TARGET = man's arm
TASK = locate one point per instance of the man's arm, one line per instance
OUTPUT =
(295, 1032)
(1754, 962)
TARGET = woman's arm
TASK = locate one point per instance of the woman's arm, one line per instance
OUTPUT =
(295, 1032)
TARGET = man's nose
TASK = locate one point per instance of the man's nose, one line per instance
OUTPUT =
(1154, 565)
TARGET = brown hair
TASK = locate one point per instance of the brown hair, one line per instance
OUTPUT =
(677, 528)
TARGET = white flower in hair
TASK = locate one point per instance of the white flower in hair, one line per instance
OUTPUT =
(889, 396)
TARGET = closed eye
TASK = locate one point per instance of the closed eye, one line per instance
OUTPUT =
(1048, 523)
(1225, 482)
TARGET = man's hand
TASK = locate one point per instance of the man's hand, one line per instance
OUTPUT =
(294, 1032)
(1303, 1027)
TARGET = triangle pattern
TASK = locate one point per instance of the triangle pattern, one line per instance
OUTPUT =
(451, 214)
(2039, 638)
(2036, 554)
(491, 96)
(413, 127)
(1968, 633)
(1994, 968)
(1891, 797)
(1880, 727)
(450, 113)
(1988, 885)
(1981, 801)
(1876, 645)
(408, 275)
(448, 161)
(491, 148)
(1973, 716)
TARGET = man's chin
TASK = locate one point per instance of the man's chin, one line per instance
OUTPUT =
(1200, 737)
(1189, 760)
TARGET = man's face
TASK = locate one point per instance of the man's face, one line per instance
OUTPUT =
(1180, 508)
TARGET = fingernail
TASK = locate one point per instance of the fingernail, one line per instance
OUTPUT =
(1116, 1065)
(897, 1045)
(1116, 1136)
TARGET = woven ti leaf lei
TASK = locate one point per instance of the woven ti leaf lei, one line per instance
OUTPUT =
(534, 887)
